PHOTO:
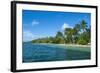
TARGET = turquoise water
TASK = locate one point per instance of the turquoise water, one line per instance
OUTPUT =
(51, 52)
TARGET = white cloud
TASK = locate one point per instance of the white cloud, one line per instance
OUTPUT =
(28, 35)
(65, 25)
(34, 22)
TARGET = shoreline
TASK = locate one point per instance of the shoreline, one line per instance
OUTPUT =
(75, 45)
(67, 45)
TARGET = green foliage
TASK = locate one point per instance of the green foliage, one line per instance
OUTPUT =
(79, 34)
(59, 38)
(82, 42)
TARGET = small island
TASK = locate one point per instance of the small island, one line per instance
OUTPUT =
(56, 36)
(79, 35)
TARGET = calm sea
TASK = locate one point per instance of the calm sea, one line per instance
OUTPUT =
(53, 52)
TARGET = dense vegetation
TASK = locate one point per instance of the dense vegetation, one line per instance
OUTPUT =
(79, 34)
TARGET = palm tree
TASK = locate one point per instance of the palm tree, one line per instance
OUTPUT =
(83, 25)
(59, 34)
(59, 37)
(88, 34)
(77, 28)
(69, 34)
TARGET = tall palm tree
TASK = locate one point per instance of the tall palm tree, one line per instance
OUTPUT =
(83, 25)
(59, 37)
(88, 34)
(77, 28)
(69, 34)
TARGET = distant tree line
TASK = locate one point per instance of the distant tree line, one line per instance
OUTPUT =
(79, 34)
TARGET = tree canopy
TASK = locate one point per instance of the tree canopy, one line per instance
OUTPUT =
(79, 34)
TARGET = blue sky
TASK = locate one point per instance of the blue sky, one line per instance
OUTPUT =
(38, 24)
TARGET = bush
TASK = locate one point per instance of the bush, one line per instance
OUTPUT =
(82, 42)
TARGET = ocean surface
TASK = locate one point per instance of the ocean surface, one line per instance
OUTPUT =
(52, 52)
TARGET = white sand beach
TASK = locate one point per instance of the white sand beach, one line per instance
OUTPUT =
(75, 45)
(68, 45)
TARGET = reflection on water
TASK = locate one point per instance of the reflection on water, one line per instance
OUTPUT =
(50, 52)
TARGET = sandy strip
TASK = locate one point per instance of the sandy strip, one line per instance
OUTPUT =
(75, 45)
(66, 45)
